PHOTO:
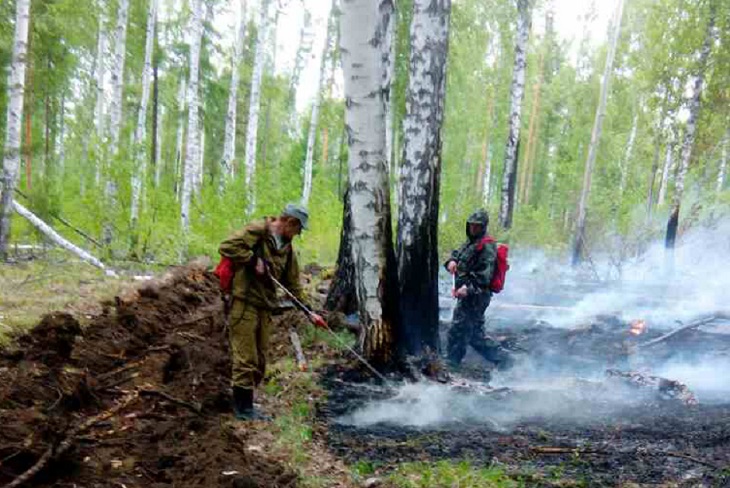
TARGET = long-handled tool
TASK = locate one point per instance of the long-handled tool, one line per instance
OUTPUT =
(309, 313)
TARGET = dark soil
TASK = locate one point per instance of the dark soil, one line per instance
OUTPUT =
(166, 346)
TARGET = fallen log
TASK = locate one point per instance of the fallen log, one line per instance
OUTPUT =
(46, 230)
(665, 388)
(692, 325)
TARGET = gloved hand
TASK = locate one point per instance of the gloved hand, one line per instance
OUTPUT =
(461, 292)
(318, 321)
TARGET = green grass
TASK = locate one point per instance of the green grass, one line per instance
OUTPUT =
(30, 289)
(461, 474)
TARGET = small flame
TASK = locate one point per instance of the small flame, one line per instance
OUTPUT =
(637, 327)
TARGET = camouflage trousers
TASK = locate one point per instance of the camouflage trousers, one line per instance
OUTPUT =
(248, 330)
(468, 330)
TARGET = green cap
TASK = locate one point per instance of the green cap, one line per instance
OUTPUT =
(298, 212)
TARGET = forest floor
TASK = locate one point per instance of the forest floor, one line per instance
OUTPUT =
(128, 387)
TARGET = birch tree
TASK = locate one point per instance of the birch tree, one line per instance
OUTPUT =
(624, 163)
(192, 148)
(229, 141)
(100, 70)
(690, 130)
(304, 48)
(178, 166)
(140, 132)
(363, 28)
(254, 105)
(517, 92)
(117, 75)
(722, 171)
(420, 175)
(14, 120)
(578, 238)
(314, 121)
(667, 167)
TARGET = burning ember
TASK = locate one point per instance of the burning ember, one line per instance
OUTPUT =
(637, 327)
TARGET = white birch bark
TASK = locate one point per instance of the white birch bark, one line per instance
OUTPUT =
(201, 161)
(140, 133)
(177, 170)
(418, 260)
(389, 112)
(192, 148)
(690, 131)
(117, 75)
(624, 168)
(229, 141)
(666, 169)
(363, 27)
(61, 138)
(306, 38)
(100, 70)
(56, 238)
(158, 145)
(517, 93)
(578, 238)
(487, 183)
(722, 171)
(14, 120)
(314, 121)
(254, 106)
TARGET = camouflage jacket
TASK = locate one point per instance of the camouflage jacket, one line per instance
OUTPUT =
(475, 262)
(255, 240)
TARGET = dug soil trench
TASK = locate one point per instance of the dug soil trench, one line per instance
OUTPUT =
(140, 397)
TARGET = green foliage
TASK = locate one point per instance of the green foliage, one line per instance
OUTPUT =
(656, 60)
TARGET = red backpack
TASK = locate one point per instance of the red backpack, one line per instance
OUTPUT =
(499, 276)
(224, 272)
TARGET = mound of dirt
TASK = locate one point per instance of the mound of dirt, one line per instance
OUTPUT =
(138, 398)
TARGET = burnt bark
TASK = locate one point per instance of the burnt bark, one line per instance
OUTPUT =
(420, 171)
(342, 296)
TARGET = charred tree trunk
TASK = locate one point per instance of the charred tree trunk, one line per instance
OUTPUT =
(417, 240)
(11, 152)
(364, 25)
(690, 131)
(579, 237)
(342, 296)
(517, 92)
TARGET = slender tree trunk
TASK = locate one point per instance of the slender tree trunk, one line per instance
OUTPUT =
(517, 92)
(304, 48)
(363, 26)
(579, 237)
(140, 134)
(722, 171)
(690, 131)
(61, 141)
(11, 152)
(314, 121)
(483, 164)
(102, 47)
(192, 149)
(624, 166)
(158, 146)
(652, 177)
(154, 155)
(115, 121)
(667, 168)
(117, 75)
(254, 106)
(178, 169)
(29, 124)
(229, 141)
(417, 240)
(526, 177)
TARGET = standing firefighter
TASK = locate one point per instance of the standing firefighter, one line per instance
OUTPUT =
(473, 266)
(262, 250)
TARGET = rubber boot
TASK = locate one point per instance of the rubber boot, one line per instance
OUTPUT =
(243, 405)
